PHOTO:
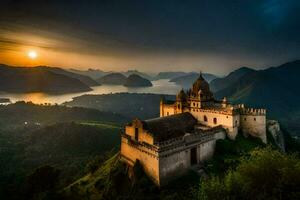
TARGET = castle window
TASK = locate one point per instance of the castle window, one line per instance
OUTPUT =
(178, 106)
(254, 119)
(245, 119)
(215, 121)
(236, 122)
(193, 104)
(167, 113)
(227, 117)
(205, 118)
(136, 134)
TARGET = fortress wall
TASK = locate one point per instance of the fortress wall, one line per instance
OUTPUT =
(230, 122)
(176, 163)
(166, 110)
(173, 165)
(149, 161)
(254, 125)
(143, 136)
(206, 150)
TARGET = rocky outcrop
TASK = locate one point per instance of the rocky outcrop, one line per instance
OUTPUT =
(273, 127)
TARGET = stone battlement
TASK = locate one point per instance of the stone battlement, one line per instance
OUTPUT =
(253, 111)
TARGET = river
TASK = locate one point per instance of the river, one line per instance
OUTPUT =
(162, 86)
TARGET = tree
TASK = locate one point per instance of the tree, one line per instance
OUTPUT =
(265, 174)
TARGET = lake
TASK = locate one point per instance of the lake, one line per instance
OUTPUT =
(162, 86)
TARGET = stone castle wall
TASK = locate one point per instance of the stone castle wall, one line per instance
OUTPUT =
(229, 122)
(132, 151)
(166, 110)
(253, 122)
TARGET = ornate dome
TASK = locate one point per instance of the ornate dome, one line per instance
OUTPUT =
(200, 84)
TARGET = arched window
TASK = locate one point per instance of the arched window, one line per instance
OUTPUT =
(205, 118)
(215, 121)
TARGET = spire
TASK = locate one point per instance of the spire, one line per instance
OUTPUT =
(200, 76)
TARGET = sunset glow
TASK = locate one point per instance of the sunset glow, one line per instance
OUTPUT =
(32, 55)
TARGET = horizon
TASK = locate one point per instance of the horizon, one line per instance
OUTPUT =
(150, 36)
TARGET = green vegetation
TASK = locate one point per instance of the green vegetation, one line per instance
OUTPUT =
(65, 138)
(143, 106)
(265, 174)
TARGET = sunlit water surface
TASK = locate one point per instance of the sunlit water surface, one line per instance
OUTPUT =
(162, 86)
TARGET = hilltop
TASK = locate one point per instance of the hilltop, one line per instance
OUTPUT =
(112, 79)
(137, 81)
(274, 88)
(39, 79)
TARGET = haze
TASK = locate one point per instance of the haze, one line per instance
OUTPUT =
(152, 36)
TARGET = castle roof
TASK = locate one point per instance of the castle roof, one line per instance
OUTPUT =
(165, 128)
(181, 95)
(200, 84)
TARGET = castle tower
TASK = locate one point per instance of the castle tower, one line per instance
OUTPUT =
(181, 100)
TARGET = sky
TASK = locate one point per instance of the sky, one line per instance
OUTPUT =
(213, 36)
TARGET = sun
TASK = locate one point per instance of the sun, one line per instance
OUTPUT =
(32, 55)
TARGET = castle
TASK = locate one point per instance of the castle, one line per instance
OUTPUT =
(185, 134)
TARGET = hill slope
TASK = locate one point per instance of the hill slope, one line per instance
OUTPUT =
(221, 83)
(84, 79)
(135, 80)
(275, 88)
(112, 79)
(25, 79)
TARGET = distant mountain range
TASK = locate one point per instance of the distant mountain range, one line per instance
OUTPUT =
(275, 88)
(132, 80)
(42, 79)
(188, 79)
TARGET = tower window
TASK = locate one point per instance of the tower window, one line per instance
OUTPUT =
(136, 134)
(215, 121)
(205, 118)
(254, 119)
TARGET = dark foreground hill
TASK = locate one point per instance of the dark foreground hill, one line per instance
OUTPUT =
(135, 80)
(275, 88)
(84, 79)
(25, 79)
(34, 136)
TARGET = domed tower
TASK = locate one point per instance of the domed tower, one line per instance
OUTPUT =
(181, 100)
(200, 94)
(201, 89)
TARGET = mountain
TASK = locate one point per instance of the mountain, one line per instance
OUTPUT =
(141, 74)
(169, 75)
(84, 79)
(92, 73)
(135, 80)
(187, 80)
(275, 88)
(37, 79)
(221, 83)
(112, 79)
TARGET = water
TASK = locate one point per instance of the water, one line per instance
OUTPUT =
(162, 86)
